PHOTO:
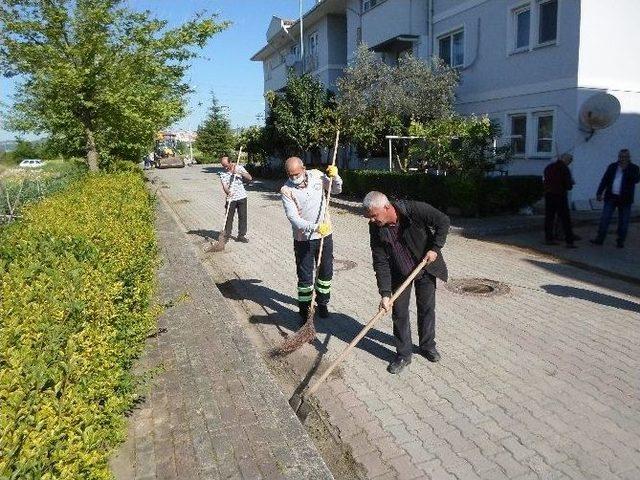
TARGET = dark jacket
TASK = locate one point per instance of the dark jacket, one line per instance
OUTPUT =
(630, 177)
(557, 178)
(424, 228)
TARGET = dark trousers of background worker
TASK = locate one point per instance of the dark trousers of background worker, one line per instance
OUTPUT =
(624, 215)
(557, 204)
(241, 207)
(425, 287)
(306, 257)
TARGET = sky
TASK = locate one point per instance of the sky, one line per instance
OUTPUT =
(225, 68)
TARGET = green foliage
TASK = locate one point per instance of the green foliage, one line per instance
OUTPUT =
(376, 99)
(456, 144)
(215, 137)
(19, 187)
(99, 78)
(253, 140)
(298, 116)
(469, 195)
(76, 277)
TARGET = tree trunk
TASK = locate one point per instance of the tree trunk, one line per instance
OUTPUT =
(92, 151)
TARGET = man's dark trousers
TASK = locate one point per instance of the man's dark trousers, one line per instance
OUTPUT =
(306, 257)
(241, 206)
(557, 204)
(624, 215)
(425, 287)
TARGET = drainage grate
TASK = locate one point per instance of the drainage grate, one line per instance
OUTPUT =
(479, 287)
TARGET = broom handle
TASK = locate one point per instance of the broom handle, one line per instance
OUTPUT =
(226, 215)
(324, 215)
(367, 327)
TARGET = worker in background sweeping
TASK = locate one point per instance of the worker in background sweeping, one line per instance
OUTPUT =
(401, 235)
(232, 181)
(303, 199)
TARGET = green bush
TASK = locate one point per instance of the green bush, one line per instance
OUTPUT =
(469, 195)
(76, 277)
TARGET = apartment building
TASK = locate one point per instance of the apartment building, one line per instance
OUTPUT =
(529, 65)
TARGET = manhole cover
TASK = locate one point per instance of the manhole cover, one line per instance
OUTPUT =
(343, 265)
(480, 287)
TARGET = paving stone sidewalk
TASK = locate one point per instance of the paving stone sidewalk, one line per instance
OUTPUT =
(541, 382)
(213, 410)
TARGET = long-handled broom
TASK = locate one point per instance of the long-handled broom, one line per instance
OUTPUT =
(298, 401)
(219, 245)
(308, 331)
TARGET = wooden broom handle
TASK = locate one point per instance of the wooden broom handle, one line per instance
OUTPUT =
(367, 327)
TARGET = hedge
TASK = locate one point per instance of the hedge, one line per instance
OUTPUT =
(468, 195)
(76, 277)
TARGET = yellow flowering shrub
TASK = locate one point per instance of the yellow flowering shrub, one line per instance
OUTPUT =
(76, 278)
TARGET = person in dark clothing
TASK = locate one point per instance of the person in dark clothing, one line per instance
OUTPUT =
(617, 187)
(557, 183)
(401, 235)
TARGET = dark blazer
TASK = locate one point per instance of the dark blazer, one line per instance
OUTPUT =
(557, 178)
(630, 177)
(424, 228)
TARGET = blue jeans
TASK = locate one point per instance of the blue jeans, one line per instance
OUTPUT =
(624, 214)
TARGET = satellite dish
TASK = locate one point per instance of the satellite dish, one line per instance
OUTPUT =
(598, 112)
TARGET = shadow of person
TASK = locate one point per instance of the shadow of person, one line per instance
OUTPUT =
(205, 234)
(281, 312)
(591, 296)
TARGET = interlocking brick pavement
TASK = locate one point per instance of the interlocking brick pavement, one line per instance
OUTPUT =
(213, 410)
(541, 382)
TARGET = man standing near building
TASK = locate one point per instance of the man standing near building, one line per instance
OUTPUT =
(618, 185)
(557, 183)
(232, 180)
(303, 199)
(401, 235)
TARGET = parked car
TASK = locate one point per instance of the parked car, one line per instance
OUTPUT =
(31, 163)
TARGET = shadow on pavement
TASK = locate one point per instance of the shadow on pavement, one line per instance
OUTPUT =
(205, 234)
(586, 275)
(595, 297)
(285, 318)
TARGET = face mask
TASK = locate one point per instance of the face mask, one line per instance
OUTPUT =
(298, 180)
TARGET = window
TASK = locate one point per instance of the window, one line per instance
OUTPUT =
(369, 4)
(518, 134)
(544, 137)
(312, 44)
(451, 49)
(522, 24)
(548, 21)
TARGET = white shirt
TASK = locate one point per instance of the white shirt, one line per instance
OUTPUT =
(617, 181)
(235, 185)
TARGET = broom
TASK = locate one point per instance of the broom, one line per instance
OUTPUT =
(308, 331)
(222, 237)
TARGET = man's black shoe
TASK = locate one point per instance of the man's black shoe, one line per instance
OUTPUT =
(619, 244)
(576, 237)
(431, 355)
(242, 238)
(596, 241)
(323, 311)
(398, 365)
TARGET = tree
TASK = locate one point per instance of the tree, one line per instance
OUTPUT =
(215, 137)
(253, 140)
(97, 77)
(298, 115)
(461, 145)
(376, 99)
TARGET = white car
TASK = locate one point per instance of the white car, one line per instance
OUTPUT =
(31, 163)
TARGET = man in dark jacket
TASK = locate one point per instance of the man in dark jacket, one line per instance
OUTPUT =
(618, 186)
(557, 183)
(401, 235)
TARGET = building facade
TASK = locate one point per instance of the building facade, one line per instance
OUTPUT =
(528, 64)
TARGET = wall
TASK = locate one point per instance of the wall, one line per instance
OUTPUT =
(608, 62)
(392, 18)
